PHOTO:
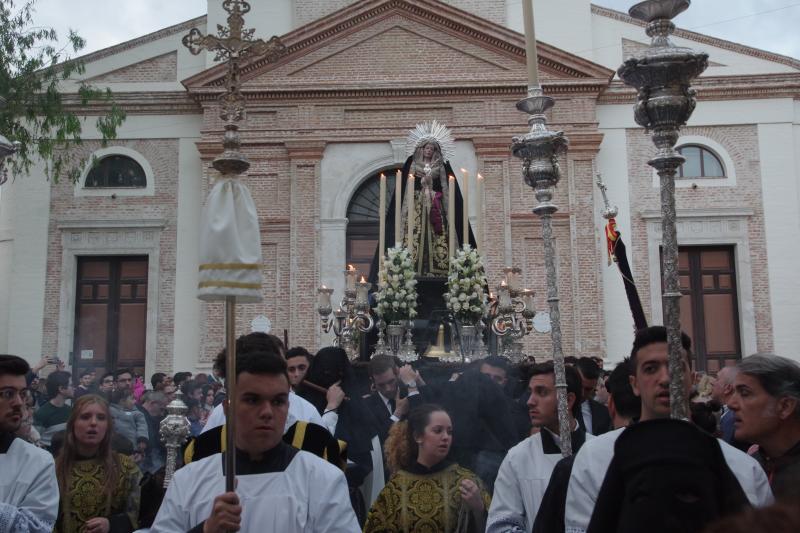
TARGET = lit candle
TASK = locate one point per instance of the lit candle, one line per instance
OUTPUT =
(362, 292)
(530, 44)
(479, 228)
(451, 214)
(382, 223)
(324, 300)
(398, 208)
(411, 212)
(350, 278)
(503, 298)
(465, 193)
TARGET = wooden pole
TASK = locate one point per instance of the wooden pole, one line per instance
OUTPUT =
(230, 386)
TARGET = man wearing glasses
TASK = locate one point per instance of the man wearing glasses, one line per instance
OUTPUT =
(28, 486)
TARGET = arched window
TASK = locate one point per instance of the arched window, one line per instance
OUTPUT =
(117, 172)
(700, 163)
(363, 220)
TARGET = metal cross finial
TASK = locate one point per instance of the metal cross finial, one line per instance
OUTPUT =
(233, 44)
(609, 212)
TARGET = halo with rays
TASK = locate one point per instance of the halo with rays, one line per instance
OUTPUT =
(431, 131)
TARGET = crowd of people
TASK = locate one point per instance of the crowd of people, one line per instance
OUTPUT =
(322, 445)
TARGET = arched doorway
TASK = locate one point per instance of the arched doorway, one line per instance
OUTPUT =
(363, 221)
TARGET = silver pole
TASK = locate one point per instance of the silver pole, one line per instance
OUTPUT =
(665, 101)
(540, 150)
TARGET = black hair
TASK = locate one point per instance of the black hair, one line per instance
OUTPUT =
(588, 368)
(261, 363)
(11, 365)
(157, 378)
(298, 351)
(107, 375)
(494, 361)
(180, 377)
(618, 385)
(55, 381)
(380, 364)
(574, 384)
(85, 372)
(121, 371)
(188, 387)
(652, 335)
(570, 360)
(252, 342)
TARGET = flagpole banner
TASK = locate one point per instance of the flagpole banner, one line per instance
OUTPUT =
(230, 245)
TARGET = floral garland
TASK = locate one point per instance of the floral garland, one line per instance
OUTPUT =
(465, 296)
(397, 297)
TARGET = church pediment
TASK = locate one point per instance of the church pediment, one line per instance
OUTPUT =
(398, 44)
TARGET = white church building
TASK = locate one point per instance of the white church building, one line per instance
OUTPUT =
(103, 272)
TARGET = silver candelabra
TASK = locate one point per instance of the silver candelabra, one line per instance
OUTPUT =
(513, 314)
(662, 74)
(352, 318)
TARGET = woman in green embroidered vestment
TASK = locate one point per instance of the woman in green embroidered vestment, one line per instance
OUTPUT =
(427, 493)
(99, 487)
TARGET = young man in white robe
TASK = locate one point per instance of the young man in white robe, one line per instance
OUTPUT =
(28, 485)
(650, 381)
(279, 488)
(526, 469)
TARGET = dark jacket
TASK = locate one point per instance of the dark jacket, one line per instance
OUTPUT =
(601, 420)
(156, 454)
(783, 474)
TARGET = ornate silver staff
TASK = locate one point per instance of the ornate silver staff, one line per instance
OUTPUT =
(540, 150)
(230, 246)
(662, 74)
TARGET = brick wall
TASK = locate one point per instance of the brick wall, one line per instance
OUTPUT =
(161, 68)
(741, 143)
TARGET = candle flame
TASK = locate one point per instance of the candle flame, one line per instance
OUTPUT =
(503, 283)
(383, 176)
(363, 280)
(351, 267)
(323, 287)
(480, 177)
(451, 177)
(464, 171)
(411, 175)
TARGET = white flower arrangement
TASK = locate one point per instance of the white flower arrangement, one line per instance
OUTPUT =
(465, 296)
(397, 296)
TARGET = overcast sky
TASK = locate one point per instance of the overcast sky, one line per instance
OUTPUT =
(766, 24)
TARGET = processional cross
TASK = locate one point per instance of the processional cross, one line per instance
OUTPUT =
(227, 267)
(234, 44)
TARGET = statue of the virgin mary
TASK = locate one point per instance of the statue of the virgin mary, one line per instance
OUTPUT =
(429, 146)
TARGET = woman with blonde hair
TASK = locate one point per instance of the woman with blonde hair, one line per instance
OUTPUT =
(99, 487)
(427, 492)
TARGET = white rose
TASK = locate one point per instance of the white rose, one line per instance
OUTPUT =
(395, 305)
(462, 297)
(456, 307)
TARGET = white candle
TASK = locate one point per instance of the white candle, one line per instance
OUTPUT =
(324, 299)
(411, 212)
(382, 223)
(479, 228)
(362, 292)
(530, 43)
(465, 194)
(350, 278)
(398, 209)
(503, 297)
(451, 214)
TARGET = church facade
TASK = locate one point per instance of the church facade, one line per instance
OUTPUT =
(103, 272)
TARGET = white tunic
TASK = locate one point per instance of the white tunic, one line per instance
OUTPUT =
(520, 485)
(299, 409)
(593, 459)
(28, 489)
(310, 496)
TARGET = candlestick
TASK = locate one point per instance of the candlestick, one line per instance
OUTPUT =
(411, 212)
(382, 223)
(504, 304)
(479, 228)
(398, 208)
(465, 222)
(530, 44)
(350, 278)
(451, 214)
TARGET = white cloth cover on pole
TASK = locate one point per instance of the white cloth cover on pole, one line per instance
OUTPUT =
(230, 245)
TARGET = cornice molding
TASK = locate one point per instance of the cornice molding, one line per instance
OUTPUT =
(704, 39)
(305, 150)
(757, 86)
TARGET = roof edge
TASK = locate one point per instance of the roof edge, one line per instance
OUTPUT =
(704, 39)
